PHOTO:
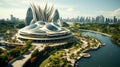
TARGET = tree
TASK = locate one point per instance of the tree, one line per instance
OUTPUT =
(28, 44)
(1, 50)
(33, 59)
(64, 24)
(76, 25)
(35, 53)
(14, 52)
(20, 25)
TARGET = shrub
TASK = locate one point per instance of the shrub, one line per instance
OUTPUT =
(33, 59)
(35, 53)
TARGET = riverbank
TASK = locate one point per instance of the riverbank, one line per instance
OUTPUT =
(111, 36)
(109, 51)
(96, 32)
(72, 54)
(83, 54)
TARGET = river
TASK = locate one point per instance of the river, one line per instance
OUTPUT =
(106, 56)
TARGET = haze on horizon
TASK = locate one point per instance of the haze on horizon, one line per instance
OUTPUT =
(67, 8)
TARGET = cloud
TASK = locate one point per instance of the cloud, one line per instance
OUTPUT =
(70, 9)
(106, 14)
(19, 7)
(110, 14)
(12, 4)
(116, 13)
(19, 13)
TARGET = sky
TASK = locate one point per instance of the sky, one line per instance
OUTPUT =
(67, 8)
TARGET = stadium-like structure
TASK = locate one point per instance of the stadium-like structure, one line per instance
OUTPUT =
(44, 27)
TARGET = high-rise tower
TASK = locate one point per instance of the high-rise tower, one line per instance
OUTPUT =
(29, 16)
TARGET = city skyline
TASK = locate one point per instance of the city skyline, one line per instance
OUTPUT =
(67, 8)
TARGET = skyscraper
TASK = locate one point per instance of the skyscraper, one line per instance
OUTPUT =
(115, 19)
(13, 19)
(29, 16)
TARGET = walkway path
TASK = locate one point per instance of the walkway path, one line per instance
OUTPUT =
(21, 60)
(24, 58)
(2, 41)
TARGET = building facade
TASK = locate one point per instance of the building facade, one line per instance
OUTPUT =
(44, 27)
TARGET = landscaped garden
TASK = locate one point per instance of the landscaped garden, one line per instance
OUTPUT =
(7, 56)
(67, 57)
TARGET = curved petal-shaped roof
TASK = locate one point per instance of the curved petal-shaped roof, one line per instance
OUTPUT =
(32, 26)
(51, 27)
(56, 23)
(41, 27)
(38, 31)
(40, 22)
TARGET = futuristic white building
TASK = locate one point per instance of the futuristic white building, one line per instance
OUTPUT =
(44, 27)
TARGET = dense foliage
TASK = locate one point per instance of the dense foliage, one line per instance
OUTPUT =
(6, 56)
(8, 29)
(6, 25)
(112, 29)
(35, 53)
(12, 26)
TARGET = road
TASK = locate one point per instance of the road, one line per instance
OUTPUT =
(24, 58)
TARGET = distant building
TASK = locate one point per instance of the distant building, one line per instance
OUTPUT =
(115, 19)
(29, 16)
(13, 19)
(100, 19)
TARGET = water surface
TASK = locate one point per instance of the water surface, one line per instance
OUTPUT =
(106, 56)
